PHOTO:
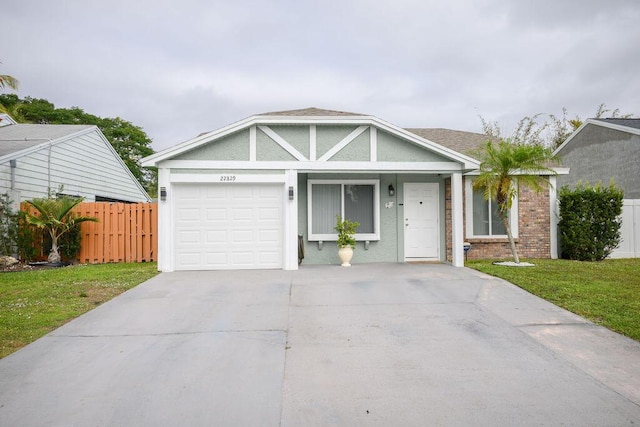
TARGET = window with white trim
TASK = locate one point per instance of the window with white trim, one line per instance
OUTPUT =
(483, 217)
(356, 200)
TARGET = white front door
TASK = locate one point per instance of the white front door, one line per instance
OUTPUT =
(421, 224)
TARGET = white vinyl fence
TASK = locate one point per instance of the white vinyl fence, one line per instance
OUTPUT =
(630, 231)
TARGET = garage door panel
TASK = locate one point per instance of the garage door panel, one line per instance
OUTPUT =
(215, 237)
(268, 236)
(268, 258)
(189, 259)
(268, 214)
(228, 226)
(242, 214)
(242, 236)
(217, 214)
(188, 193)
(215, 193)
(217, 259)
(187, 237)
(242, 193)
(189, 215)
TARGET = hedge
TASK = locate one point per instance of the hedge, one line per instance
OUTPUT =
(590, 221)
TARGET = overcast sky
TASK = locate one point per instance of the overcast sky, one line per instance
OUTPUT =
(179, 68)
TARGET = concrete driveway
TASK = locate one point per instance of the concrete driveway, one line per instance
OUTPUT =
(384, 344)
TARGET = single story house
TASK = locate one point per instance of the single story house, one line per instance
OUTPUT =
(239, 197)
(602, 150)
(36, 158)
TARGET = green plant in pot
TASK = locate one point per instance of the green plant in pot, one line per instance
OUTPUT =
(346, 239)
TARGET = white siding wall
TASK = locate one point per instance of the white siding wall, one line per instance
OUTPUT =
(85, 165)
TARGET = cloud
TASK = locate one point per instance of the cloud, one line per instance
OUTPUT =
(178, 69)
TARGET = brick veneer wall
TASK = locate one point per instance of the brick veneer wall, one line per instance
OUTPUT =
(534, 237)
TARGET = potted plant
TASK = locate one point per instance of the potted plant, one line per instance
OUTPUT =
(346, 239)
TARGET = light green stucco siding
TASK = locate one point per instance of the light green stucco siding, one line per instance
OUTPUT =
(357, 150)
(297, 136)
(269, 150)
(328, 136)
(232, 147)
(394, 149)
(390, 247)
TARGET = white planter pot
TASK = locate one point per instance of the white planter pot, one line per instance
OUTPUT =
(345, 253)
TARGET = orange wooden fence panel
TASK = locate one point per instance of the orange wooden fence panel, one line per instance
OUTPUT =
(124, 232)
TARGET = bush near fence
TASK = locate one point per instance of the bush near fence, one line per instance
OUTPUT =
(124, 232)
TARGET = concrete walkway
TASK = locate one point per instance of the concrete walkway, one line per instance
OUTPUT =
(383, 344)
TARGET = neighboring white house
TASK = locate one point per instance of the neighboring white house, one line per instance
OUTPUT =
(6, 120)
(36, 158)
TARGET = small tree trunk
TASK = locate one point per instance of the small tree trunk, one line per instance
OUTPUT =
(54, 255)
(512, 243)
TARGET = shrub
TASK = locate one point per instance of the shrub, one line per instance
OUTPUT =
(590, 221)
(69, 244)
(8, 226)
(29, 239)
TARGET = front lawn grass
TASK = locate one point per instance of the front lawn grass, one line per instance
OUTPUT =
(33, 303)
(606, 292)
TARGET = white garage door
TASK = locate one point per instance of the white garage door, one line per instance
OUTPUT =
(228, 226)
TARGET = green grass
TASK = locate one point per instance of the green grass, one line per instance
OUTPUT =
(33, 303)
(606, 292)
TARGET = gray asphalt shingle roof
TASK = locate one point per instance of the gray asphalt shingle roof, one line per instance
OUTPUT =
(632, 123)
(15, 138)
(456, 140)
(311, 111)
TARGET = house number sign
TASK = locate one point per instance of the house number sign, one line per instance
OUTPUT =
(227, 178)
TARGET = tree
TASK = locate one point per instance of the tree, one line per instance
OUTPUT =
(6, 80)
(562, 128)
(56, 217)
(130, 141)
(132, 144)
(505, 167)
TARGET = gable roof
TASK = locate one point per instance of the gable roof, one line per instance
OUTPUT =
(311, 111)
(632, 123)
(6, 120)
(312, 116)
(631, 126)
(21, 137)
(458, 140)
(19, 140)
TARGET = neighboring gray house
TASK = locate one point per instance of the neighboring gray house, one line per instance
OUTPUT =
(238, 197)
(35, 158)
(602, 150)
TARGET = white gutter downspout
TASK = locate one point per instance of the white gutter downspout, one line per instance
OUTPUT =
(13, 163)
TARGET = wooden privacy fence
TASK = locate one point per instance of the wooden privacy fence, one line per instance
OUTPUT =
(124, 232)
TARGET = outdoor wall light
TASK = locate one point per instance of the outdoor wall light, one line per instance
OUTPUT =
(163, 193)
(392, 191)
(290, 193)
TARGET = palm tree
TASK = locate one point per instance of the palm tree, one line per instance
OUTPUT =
(12, 82)
(505, 167)
(56, 217)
